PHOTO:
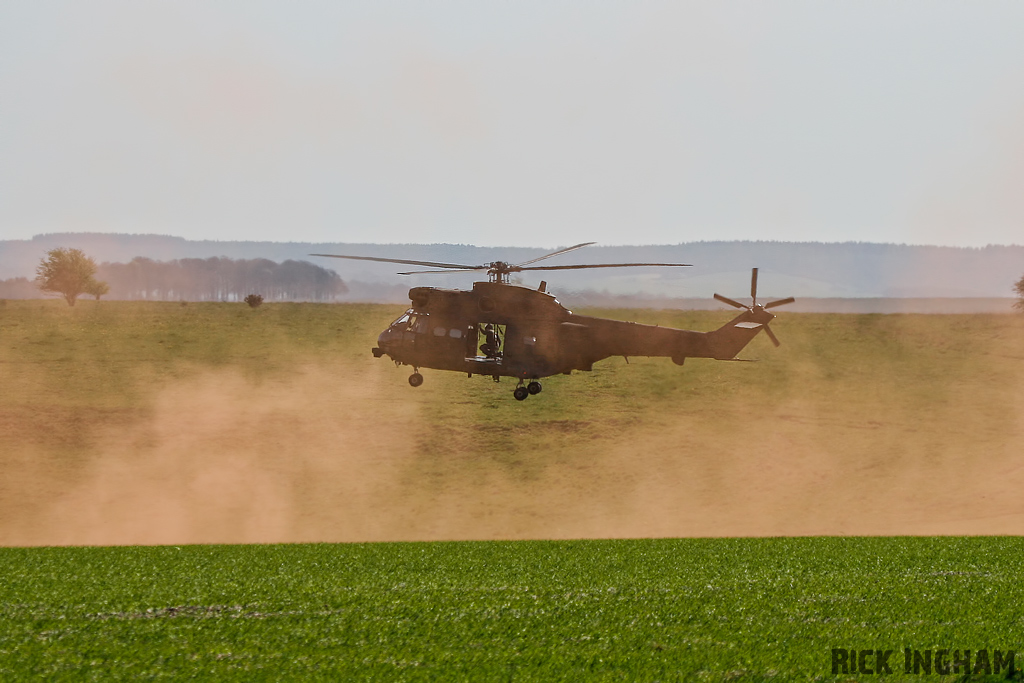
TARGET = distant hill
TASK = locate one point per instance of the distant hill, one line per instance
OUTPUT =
(801, 269)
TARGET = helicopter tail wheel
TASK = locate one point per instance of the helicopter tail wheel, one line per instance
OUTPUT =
(415, 379)
(521, 393)
(534, 388)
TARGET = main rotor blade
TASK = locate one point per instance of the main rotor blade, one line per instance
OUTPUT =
(515, 269)
(753, 286)
(455, 270)
(556, 253)
(780, 302)
(771, 335)
(727, 300)
(407, 262)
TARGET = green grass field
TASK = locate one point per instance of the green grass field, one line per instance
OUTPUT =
(645, 610)
(154, 423)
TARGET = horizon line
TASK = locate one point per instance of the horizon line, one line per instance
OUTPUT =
(507, 246)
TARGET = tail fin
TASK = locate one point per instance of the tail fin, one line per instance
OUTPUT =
(730, 338)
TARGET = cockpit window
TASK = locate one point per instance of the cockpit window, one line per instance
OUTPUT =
(412, 322)
(419, 323)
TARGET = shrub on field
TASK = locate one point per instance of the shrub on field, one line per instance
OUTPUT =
(1019, 288)
(97, 289)
(254, 300)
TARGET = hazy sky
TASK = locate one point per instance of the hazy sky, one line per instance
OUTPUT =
(514, 123)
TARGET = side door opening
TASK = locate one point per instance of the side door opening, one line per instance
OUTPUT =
(490, 341)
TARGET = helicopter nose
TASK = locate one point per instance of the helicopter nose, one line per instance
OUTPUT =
(386, 342)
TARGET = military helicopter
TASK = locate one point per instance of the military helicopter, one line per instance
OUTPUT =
(503, 330)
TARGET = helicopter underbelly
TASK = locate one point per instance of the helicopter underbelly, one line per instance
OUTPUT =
(477, 365)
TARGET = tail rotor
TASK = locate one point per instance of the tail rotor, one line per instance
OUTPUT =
(759, 313)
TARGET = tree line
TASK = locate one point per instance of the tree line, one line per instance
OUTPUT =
(220, 279)
(187, 279)
(70, 273)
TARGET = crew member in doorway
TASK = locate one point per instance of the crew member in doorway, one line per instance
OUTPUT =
(491, 342)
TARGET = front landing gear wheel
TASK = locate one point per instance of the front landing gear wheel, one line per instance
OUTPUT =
(415, 379)
(534, 388)
(520, 393)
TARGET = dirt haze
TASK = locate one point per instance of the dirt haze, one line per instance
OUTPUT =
(331, 453)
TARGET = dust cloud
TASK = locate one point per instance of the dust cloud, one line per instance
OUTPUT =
(225, 459)
(332, 453)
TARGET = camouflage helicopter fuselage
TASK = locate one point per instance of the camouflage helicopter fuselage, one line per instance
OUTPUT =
(537, 336)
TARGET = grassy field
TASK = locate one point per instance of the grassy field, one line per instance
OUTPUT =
(156, 423)
(642, 610)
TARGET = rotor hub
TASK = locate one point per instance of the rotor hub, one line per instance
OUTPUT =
(499, 271)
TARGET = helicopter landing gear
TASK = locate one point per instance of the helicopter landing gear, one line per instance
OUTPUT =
(522, 392)
(415, 379)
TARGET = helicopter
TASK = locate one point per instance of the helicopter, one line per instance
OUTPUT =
(500, 329)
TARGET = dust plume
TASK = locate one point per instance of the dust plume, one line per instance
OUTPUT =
(222, 458)
(796, 470)
(338, 453)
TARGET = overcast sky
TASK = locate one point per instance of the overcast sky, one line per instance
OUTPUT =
(514, 123)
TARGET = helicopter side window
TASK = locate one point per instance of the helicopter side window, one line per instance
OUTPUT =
(402, 321)
(440, 332)
(455, 333)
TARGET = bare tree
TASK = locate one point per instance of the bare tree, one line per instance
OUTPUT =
(68, 272)
(1019, 289)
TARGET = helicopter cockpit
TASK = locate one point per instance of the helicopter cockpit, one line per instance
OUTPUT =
(403, 322)
(396, 332)
(418, 332)
(410, 321)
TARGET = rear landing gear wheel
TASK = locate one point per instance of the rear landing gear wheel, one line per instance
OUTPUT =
(520, 393)
(534, 388)
(415, 379)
